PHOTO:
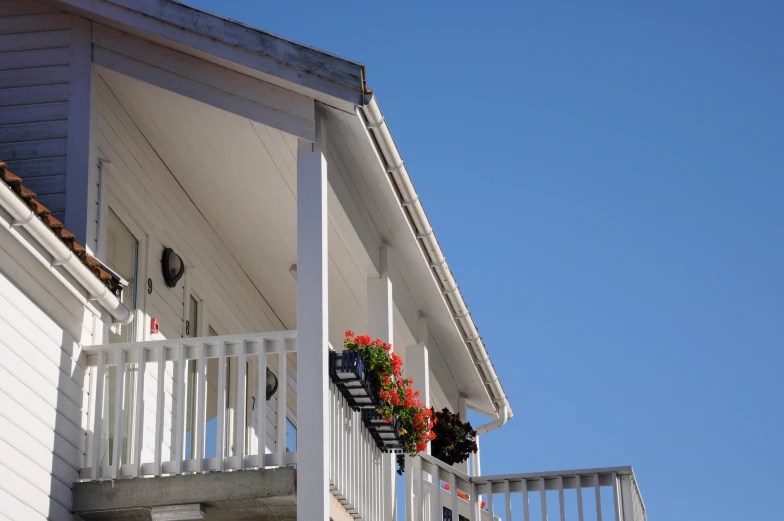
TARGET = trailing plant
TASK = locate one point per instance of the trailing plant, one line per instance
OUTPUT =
(455, 439)
(394, 393)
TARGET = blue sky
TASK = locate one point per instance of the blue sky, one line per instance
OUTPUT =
(607, 182)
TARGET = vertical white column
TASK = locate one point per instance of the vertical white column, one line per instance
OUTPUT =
(312, 330)
(462, 409)
(380, 316)
(418, 368)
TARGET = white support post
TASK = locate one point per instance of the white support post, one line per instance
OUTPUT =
(418, 368)
(380, 325)
(312, 330)
(462, 410)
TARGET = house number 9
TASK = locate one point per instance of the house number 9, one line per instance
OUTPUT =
(149, 286)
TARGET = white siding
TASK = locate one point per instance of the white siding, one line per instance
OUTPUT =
(34, 81)
(43, 407)
(151, 196)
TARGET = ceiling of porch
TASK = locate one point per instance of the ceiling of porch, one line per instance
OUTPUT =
(241, 175)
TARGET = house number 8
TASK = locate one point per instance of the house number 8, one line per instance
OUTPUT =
(187, 327)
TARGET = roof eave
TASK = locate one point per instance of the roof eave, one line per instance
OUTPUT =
(327, 78)
(427, 241)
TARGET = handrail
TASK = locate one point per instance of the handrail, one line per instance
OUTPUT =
(177, 394)
(460, 496)
(603, 471)
(191, 341)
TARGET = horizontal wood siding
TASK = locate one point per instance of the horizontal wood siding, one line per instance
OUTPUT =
(34, 81)
(170, 219)
(43, 400)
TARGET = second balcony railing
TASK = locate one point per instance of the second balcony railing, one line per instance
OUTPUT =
(191, 405)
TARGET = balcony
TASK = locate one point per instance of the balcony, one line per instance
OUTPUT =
(190, 409)
(189, 406)
(580, 495)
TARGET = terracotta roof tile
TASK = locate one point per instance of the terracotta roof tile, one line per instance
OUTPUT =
(69, 239)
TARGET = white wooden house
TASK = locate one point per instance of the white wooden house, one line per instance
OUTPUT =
(148, 128)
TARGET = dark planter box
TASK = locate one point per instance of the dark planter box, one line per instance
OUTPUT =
(347, 372)
(385, 434)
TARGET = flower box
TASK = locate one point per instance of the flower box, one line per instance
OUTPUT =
(386, 435)
(347, 372)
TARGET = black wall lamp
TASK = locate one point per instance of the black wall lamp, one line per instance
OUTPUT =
(173, 267)
(272, 383)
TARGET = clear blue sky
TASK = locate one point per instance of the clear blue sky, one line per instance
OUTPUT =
(607, 180)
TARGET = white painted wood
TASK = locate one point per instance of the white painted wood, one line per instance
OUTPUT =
(35, 45)
(220, 439)
(616, 497)
(561, 498)
(579, 489)
(454, 506)
(119, 417)
(239, 416)
(78, 165)
(281, 444)
(490, 502)
(526, 506)
(380, 325)
(261, 401)
(543, 496)
(312, 328)
(203, 92)
(138, 439)
(598, 492)
(34, 40)
(508, 500)
(251, 51)
(167, 213)
(160, 409)
(180, 397)
(188, 66)
(201, 407)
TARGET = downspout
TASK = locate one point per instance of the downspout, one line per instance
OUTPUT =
(503, 415)
(63, 256)
(410, 200)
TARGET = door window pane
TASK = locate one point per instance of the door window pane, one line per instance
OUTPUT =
(122, 255)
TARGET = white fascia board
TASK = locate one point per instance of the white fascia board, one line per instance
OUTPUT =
(329, 79)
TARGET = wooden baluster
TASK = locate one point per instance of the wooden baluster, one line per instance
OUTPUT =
(139, 414)
(261, 403)
(179, 440)
(282, 392)
(578, 486)
(201, 407)
(598, 490)
(119, 384)
(561, 498)
(97, 448)
(220, 435)
(526, 512)
(239, 416)
(507, 496)
(543, 488)
(159, 411)
(616, 499)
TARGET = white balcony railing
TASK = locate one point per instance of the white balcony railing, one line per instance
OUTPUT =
(189, 405)
(355, 462)
(613, 489)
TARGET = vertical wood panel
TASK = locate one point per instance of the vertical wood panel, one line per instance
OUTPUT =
(239, 416)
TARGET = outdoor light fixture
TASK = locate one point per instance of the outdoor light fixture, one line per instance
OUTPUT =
(272, 382)
(173, 267)
(178, 512)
